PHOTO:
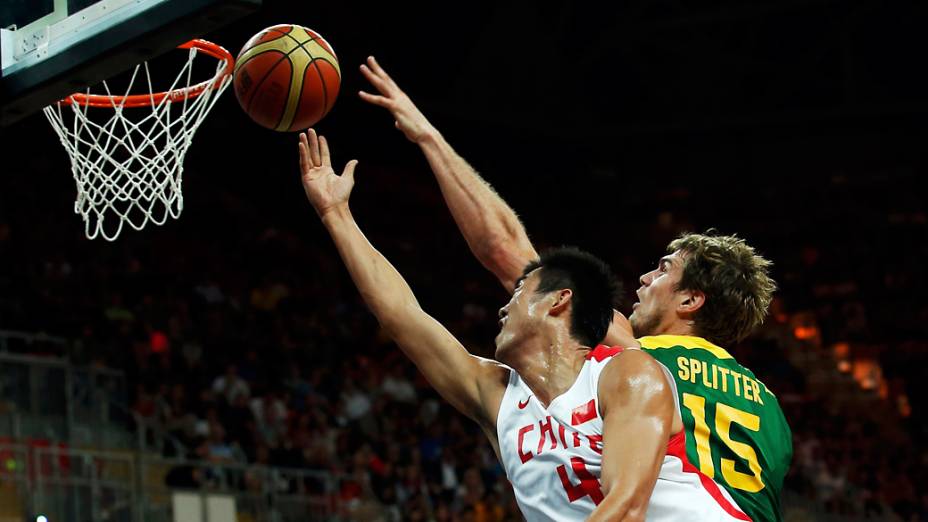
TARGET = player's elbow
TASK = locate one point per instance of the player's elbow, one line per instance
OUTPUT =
(389, 326)
(491, 250)
(628, 512)
(614, 510)
(622, 505)
(634, 516)
(504, 256)
(393, 315)
(635, 513)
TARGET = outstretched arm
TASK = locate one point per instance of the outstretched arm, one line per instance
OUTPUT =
(491, 228)
(471, 384)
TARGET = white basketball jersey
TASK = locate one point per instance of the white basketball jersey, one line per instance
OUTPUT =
(553, 456)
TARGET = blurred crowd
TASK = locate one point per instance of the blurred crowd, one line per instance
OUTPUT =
(246, 342)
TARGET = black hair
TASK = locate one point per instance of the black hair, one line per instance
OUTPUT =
(592, 283)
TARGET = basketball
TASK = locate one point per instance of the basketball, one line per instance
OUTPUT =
(286, 78)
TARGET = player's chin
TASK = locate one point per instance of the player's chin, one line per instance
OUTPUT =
(501, 347)
(634, 321)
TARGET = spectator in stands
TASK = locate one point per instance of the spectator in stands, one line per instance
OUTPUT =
(431, 466)
(271, 415)
(396, 386)
(229, 385)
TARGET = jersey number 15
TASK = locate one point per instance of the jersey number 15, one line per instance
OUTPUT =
(725, 415)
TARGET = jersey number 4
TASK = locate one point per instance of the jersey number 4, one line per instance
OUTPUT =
(725, 415)
(588, 484)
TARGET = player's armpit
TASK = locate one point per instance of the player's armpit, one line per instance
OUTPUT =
(637, 406)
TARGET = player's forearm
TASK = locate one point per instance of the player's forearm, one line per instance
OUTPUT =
(384, 290)
(491, 228)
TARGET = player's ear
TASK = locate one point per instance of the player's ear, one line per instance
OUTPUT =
(691, 302)
(560, 301)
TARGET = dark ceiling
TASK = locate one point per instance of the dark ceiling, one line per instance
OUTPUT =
(627, 96)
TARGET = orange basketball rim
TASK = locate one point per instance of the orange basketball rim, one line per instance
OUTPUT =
(144, 100)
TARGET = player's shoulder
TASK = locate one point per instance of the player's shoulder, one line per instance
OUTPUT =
(631, 375)
(626, 367)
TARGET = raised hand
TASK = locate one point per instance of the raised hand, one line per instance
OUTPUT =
(324, 189)
(409, 119)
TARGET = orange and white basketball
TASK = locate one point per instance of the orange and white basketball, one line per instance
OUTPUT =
(286, 78)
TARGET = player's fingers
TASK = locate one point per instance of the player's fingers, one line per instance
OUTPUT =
(367, 71)
(314, 156)
(324, 149)
(349, 170)
(386, 77)
(303, 168)
(381, 101)
(381, 74)
(372, 63)
(306, 160)
(304, 148)
(375, 80)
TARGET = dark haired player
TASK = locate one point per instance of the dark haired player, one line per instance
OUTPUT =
(584, 432)
(709, 291)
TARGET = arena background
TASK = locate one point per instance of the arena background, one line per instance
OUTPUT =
(799, 125)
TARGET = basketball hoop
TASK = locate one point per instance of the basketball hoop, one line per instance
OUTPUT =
(128, 167)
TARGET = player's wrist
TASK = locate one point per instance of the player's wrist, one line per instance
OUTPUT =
(428, 137)
(335, 214)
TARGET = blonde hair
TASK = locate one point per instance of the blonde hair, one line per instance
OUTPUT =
(734, 279)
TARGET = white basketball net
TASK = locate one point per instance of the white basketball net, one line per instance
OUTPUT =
(127, 162)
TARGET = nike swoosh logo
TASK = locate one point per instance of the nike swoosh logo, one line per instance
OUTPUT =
(522, 405)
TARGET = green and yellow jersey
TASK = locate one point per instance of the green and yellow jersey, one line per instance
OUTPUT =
(736, 433)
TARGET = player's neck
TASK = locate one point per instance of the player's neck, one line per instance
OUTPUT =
(678, 327)
(550, 365)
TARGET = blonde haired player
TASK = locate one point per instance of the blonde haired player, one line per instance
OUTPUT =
(583, 432)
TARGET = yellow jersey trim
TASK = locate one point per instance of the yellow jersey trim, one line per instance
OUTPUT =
(658, 342)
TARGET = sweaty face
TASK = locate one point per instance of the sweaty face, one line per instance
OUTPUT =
(657, 300)
(518, 318)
